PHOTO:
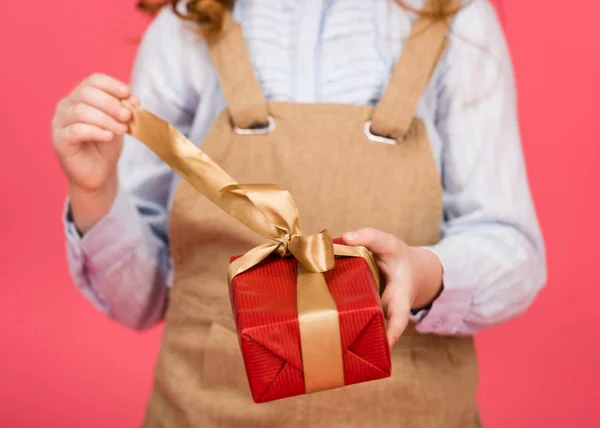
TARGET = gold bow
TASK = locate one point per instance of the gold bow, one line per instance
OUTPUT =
(280, 222)
(271, 212)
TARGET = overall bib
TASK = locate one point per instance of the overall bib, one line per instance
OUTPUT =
(343, 175)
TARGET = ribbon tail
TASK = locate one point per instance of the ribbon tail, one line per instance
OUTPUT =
(168, 143)
(199, 170)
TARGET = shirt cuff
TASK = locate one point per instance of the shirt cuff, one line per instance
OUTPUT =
(71, 232)
(111, 239)
(447, 313)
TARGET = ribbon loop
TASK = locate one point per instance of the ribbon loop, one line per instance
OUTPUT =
(313, 252)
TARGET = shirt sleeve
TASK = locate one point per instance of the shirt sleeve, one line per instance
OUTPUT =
(492, 250)
(122, 264)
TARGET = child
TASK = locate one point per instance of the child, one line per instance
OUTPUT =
(406, 145)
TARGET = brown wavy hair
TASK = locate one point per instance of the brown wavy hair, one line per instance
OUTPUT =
(208, 14)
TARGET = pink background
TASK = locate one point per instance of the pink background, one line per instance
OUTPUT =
(64, 365)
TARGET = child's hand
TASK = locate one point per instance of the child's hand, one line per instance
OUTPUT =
(413, 276)
(87, 128)
(87, 131)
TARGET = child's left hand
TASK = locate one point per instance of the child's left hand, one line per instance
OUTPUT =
(412, 275)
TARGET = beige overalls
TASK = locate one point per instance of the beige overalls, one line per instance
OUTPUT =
(343, 176)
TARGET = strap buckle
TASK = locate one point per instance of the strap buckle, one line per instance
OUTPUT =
(259, 130)
(378, 138)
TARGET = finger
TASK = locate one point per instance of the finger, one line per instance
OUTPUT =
(388, 296)
(398, 313)
(82, 132)
(378, 242)
(135, 100)
(108, 84)
(84, 113)
(396, 326)
(103, 101)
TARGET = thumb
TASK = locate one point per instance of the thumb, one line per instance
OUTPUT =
(378, 242)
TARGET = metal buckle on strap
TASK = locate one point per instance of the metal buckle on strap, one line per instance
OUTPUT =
(378, 138)
(260, 130)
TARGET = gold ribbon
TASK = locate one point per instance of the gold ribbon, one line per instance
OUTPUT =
(271, 212)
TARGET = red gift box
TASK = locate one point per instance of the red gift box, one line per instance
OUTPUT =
(264, 301)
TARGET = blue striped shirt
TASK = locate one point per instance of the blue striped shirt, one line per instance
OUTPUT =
(336, 51)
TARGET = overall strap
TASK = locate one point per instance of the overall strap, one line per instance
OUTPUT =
(229, 54)
(421, 52)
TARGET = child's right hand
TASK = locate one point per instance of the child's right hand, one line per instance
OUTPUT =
(87, 133)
